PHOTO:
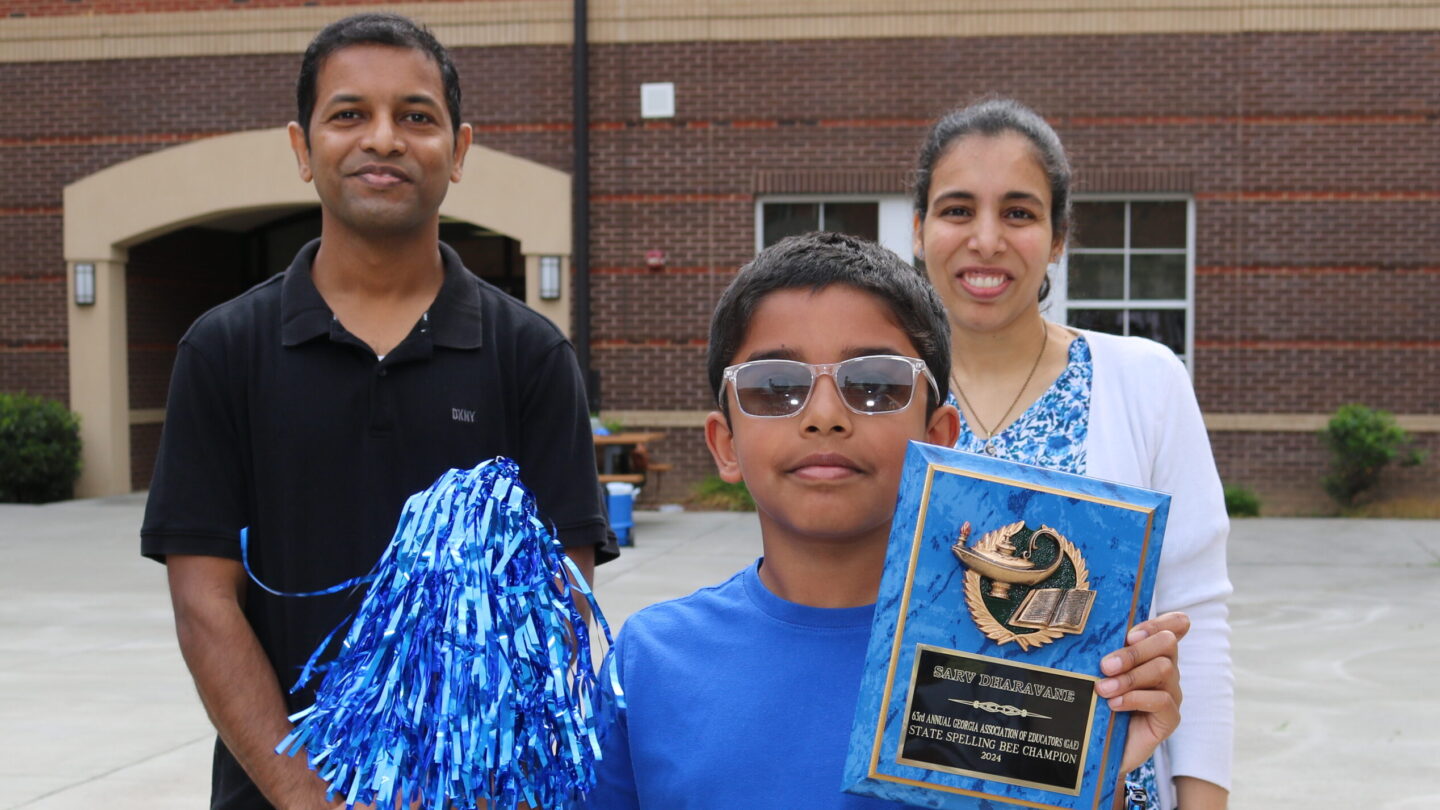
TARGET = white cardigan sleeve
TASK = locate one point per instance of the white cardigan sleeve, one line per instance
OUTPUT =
(1146, 429)
(1193, 579)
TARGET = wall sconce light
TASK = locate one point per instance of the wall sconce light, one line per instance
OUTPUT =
(85, 284)
(549, 278)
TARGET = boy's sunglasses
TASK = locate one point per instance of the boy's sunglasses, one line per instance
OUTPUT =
(876, 383)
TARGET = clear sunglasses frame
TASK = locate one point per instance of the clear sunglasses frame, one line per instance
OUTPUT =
(818, 370)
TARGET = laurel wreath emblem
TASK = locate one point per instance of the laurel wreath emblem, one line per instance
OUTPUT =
(975, 600)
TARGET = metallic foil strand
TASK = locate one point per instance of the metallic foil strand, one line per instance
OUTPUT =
(466, 673)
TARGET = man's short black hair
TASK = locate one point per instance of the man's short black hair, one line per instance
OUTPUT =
(373, 29)
(815, 261)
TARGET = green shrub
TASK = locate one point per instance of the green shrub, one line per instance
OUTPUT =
(39, 450)
(1241, 501)
(1362, 442)
(714, 493)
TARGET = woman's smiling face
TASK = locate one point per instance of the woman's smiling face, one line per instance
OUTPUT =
(987, 237)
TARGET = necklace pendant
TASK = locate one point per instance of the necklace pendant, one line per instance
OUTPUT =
(990, 448)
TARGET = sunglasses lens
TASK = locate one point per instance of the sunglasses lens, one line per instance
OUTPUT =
(876, 384)
(772, 388)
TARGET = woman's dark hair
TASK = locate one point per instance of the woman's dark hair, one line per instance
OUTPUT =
(993, 117)
(373, 29)
(815, 261)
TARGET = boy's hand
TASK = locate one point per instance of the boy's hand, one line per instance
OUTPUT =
(1144, 679)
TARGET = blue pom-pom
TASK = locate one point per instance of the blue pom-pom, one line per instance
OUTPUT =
(466, 673)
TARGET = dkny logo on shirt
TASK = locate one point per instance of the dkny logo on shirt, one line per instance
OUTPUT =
(462, 415)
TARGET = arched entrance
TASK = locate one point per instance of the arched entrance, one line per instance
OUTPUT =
(209, 218)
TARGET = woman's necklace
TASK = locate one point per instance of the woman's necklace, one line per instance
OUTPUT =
(974, 415)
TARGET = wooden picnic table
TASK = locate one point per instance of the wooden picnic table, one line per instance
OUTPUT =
(614, 457)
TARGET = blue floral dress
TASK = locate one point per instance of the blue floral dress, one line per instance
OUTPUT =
(1051, 433)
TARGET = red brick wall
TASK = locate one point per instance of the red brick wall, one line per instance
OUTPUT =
(1310, 156)
(683, 449)
(1217, 107)
(1286, 470)
(1303, 302)
(33, 327)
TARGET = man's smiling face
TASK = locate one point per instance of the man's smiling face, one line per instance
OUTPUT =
(381, 150)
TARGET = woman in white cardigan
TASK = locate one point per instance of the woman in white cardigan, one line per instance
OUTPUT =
(992, 212)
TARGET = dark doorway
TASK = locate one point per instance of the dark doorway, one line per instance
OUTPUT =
(489, 255)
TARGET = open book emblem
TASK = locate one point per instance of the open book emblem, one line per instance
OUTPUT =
(1029, 586)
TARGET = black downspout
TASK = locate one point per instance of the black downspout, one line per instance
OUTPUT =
(580, 202)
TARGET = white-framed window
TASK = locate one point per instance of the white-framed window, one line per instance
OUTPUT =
(884, 218)
(1130, 268)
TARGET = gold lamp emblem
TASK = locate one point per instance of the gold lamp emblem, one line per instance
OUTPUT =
(1040, 614)
(1005, 564)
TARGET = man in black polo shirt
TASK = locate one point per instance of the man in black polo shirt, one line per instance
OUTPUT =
(309, 408)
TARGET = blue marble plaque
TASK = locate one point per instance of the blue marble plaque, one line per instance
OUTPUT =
(1004, 586)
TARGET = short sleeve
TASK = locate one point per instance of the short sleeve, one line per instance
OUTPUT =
(557, 450)
(197, 502)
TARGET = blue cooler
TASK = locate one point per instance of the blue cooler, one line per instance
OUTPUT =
(620, 500)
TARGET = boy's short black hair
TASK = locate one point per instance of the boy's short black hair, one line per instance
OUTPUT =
(815, 261)
(373, 29)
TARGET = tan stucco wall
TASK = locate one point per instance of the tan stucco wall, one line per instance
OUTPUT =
(548, 22)
(137, 200)
(99, 383)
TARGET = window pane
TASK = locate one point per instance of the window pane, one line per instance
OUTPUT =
(1157, 224)
(789, 219)
(1164, 325)
(860, 219)
(1153, 277)
(1100, 224)
(1099, 320)
(1095, 276)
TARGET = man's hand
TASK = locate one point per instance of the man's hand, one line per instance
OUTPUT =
(237, 685)
(235, 680)
(584, 559)
(1144, 679)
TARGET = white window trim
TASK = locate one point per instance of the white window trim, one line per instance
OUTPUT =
(895, 212)
(1059, 304)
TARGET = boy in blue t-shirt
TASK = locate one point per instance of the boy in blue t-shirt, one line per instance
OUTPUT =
(827, 354)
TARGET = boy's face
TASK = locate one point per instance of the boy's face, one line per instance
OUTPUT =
(381, 152)
(826, 474)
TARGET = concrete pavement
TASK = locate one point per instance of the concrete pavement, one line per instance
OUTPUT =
(1336, 644)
